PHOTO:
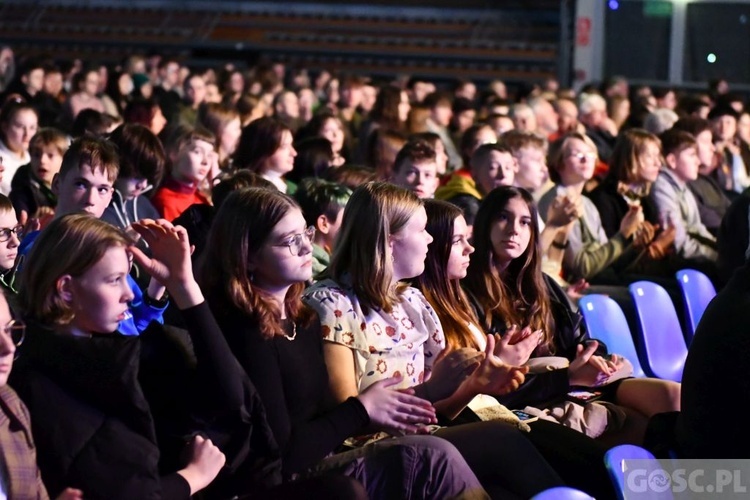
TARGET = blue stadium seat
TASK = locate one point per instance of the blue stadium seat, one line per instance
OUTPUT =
(660, 333)
(562, 493)
(697, 291)
(613, 460)
(605, 321)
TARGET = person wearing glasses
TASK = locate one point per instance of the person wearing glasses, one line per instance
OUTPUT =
(11, 233)
(85, 184)
(587, 250)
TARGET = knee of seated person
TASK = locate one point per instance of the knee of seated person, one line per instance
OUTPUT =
(673, 394)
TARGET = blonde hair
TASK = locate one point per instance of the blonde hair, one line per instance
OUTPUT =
(375, 211)
(70, 245)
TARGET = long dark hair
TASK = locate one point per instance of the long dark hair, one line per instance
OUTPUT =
(445, 295)
(520, 295)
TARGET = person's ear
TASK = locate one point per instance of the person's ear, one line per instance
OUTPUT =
(322, 225)
(64, 287)
(671, 160)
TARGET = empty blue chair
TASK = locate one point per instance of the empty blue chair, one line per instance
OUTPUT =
(698, 291)
(614, 461)
(562, 493)
(660, 332)
(605, 321)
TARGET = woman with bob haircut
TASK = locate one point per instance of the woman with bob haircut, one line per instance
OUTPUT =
(633, 167)
(92, 423)
(511, 296)
(376, 326)
(266, 148)
(257, 262)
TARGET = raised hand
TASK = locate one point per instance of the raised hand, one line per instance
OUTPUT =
(516, 345)
(493, 376)
(396, 412)
(632, 221)
(170, 262)
(562, 211)
(450, 369)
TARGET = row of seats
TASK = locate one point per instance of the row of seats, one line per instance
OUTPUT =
(520, 49)
(658, 348)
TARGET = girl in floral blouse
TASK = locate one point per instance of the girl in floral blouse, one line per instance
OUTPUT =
(374, 326)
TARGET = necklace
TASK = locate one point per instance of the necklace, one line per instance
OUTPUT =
(294, 333)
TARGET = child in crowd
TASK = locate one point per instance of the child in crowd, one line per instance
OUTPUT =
(11, 233)
(142, 162)
(92, 422)
(31, 188)
(266, 147)
(512, 295)
(322, 204)
(18, 124)
(415, 169)
(491, 165)
(192, 155)
(530, 153)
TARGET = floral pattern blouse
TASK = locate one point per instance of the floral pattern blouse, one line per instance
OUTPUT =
(403, 342)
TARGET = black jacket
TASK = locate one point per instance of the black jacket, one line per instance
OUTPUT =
(92, 424)
(28, 193)
(111, 413)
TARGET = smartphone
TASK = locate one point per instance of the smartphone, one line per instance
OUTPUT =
(583, 397)
(525, 417)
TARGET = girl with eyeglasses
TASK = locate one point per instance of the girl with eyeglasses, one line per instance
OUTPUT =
(253, 271)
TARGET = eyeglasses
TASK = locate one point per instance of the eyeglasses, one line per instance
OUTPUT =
(581, 157)
(6, 232)
(16, 330)
(294, 242)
